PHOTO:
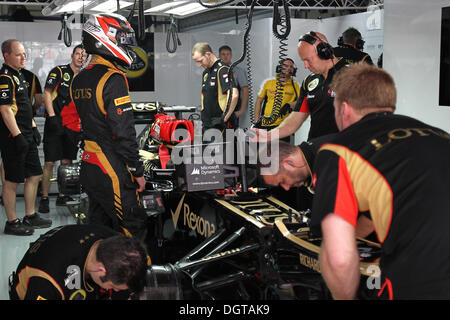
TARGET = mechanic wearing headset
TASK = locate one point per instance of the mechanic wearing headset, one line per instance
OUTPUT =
(289, 91)
(350, 46)
(316, 98)
(111, 170)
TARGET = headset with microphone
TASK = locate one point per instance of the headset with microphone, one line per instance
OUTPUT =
(359, 44)
(279, 68)
(324, 49)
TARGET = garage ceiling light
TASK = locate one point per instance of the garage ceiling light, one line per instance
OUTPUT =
(187, 9)
(72, 6)
(165, 6)
(110, 6)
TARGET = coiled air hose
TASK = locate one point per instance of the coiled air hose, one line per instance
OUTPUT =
(284, 24)
(251, 102)
(248, 27)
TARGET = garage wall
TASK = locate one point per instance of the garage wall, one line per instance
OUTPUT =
(41, 43)
(412, 56)
(44, 51)
(177, 77)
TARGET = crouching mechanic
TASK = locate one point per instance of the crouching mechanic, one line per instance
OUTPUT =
(96, 263)
(111, 170)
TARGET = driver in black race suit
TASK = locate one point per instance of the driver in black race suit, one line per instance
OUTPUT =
(111, 171)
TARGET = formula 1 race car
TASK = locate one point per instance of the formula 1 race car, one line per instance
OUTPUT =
(230, 238)
(260, 249)
(214, 231)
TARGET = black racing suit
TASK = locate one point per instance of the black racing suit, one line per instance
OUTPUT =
(111, 158)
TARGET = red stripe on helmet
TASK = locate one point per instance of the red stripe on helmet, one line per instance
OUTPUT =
(104, 21)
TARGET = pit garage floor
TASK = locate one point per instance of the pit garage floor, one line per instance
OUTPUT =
(12, 248)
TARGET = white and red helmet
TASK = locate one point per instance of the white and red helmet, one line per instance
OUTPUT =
(110, 36)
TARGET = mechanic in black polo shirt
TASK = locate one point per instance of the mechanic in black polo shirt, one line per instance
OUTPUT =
(395, 167)
(58, 145)
(80, 262)
(350, 46)
(292, 166)
(17, 142)
(216, 88)
(316, 98)
(35, 94)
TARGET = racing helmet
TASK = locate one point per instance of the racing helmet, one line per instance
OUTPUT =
(110, 36)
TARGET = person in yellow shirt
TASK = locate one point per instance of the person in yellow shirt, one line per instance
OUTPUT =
(265, 115)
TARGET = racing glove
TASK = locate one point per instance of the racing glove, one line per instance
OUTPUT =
(20, 143)
(36, 136)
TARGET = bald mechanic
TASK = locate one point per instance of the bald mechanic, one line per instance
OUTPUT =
(293, 168)
(18, 142)
(316, 98)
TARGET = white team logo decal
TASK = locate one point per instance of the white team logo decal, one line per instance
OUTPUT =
(313, 84)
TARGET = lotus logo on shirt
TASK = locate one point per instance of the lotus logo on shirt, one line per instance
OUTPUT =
(66, 76)
(313, 84)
